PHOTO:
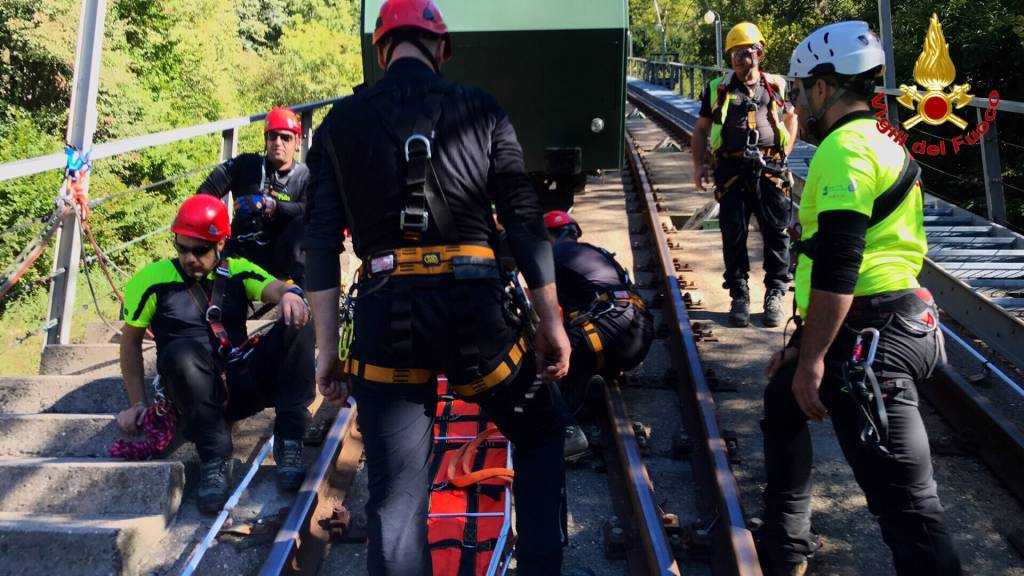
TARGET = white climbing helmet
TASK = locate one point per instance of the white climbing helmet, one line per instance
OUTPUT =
(847, 48)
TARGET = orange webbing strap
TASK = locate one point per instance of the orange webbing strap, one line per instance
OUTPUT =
(421, 260)
(463, 460)
(594, 340)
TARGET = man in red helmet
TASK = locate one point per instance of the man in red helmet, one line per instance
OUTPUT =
(411, 166)
(196, 305)
(608, 323)
(270, 198)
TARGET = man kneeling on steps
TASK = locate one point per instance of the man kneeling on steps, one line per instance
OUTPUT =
(196, 307)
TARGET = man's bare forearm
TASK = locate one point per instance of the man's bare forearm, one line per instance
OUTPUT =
(132, 369)
(324, 306)
(545, 302)
(826, 312)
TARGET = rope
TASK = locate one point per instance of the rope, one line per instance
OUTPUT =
(158, 424)
(31, 252)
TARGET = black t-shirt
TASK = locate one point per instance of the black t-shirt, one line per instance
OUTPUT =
(249, 174)
(734, 130)
(583, 272)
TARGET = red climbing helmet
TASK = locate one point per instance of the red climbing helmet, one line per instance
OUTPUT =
(422, 14)
(203, 216)
(282, 119)
(557, 219)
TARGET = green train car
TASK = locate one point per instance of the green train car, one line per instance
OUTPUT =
(557, 66)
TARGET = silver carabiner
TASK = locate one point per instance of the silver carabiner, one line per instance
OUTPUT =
(417, 138)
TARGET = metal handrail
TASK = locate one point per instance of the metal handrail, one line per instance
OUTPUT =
(20, 168)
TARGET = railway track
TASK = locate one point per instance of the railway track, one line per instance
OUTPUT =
(976, 416)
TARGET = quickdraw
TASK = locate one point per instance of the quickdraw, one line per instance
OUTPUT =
(862, 385)
(348, 326)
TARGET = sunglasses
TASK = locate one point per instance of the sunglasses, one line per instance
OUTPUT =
(748, 51)
(197, 251)
(271, 136)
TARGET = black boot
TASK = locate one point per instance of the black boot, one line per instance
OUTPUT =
(739, 312)
(774, 307)
(214, 481)
(576, 443)
(288, 456)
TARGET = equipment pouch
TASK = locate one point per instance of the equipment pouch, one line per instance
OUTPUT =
(475, 268)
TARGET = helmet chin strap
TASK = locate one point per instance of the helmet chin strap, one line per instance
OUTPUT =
(815, 117)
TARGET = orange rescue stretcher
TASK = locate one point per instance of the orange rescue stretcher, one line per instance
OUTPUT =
(469, 526)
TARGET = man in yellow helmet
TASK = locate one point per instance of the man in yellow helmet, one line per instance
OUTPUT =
(752, 130)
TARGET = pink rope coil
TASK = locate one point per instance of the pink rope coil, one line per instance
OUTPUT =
(158, 424)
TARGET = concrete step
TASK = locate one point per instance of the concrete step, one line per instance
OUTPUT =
(56, 545)
(62, 394)
(90, 359)
(57, 435)
(91, 487)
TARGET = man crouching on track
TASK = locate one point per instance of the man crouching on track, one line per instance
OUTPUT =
(196, 306)
(608, 323)
(410, 165)
(870, 333)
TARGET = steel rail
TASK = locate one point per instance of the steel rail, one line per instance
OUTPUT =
(646, 517)
(303, 539)
(1001, 444)
(737, 554)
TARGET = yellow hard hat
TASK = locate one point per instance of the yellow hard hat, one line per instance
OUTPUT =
(744, 34)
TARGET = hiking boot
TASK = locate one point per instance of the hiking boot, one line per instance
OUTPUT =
(774, 304)
(214, 481)
(290, 471)
(575, 443)
(739, 312)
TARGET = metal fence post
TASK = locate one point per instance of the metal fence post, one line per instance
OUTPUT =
(885, 20)
(992, 168)
(307, 134)
(228, 150)
(693, 76)
(81, 125)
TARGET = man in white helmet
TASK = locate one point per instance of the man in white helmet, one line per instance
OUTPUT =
(868, 334)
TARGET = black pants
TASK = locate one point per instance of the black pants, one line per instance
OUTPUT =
(278, 373)
(764, 199)
(901, 491)
(396, 420)
(626, 334)
(281, 254)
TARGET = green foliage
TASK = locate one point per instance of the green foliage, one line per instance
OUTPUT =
(166, 64)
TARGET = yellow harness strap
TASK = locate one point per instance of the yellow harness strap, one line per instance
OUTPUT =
(594, 340)
(383, 375)
(421, 260)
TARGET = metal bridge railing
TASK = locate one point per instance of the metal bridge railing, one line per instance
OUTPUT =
(682, 78)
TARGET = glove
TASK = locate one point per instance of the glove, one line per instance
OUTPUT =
(251, 206)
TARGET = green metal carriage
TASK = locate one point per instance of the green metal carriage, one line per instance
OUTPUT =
(557, 66)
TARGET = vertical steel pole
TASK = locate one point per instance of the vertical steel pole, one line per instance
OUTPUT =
(81, 125)
(718, 40)
(885, 18)
(228, 150)
(307, 133)
(992, 168)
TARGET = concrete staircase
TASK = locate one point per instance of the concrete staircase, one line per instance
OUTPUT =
(65, 508)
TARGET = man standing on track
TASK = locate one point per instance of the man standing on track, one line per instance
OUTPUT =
(869, 335)
(752, 132)
(411, 165)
